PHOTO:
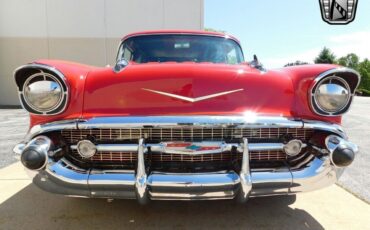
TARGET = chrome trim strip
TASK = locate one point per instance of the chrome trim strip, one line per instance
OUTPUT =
(191, 99)
(326, 74)
(224, 195)
(49, 127)
(119, 147)
(192, 180)
(185, 121)
(226, 36)
(324, 126)
(162, 148)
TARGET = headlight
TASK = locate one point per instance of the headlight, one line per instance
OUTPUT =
(332, 91)
(43, 90)
(332, 94)
(43, 95)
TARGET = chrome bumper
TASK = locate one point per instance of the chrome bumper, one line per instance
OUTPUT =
(64, 178)
(61, 179)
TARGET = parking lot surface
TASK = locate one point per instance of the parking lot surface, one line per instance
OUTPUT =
(13, 126)
(356, 123)
(23, 206)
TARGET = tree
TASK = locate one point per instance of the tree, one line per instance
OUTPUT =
(364, 70)
(296, 63)
(350, 60)
(325, 56)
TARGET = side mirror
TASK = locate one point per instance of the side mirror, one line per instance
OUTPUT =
(120, 65)
(255, 63)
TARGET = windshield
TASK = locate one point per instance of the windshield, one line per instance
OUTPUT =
(180, 48)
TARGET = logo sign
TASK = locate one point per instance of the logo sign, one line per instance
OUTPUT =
(193, 148)
(338, 12)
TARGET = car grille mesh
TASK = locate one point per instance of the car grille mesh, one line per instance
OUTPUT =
(131, 157)
(72, 136)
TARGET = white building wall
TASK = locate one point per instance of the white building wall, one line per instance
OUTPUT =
(86, 31)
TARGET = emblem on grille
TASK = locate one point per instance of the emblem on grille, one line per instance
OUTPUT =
(193, 148)
(190, 99)
(338, 12)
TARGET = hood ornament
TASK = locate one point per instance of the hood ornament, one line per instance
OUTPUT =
(190, 99)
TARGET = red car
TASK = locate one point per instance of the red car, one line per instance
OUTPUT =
(183, 116)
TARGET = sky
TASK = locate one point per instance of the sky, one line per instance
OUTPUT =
(284, 31)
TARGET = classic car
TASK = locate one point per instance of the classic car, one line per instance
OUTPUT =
(183, 116)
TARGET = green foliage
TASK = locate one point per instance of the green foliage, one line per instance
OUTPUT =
(364, 70)
(364, 92)
(296, 63)
(351, 61)
(325, 57)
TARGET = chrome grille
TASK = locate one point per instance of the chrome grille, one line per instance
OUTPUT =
(72, 136)
(131, 157)
(108, 157)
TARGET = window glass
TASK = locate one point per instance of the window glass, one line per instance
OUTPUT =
(181, 48)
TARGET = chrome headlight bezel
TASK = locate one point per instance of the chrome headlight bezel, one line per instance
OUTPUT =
(335, 82)
(345, 78)
(34, 73)
(36, 79)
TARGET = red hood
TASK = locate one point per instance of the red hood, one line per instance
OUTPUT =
(126, 93)
(101, 92)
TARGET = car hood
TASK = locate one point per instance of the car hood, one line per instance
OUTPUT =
(187, 89)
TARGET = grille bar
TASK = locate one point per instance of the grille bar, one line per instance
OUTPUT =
(72, 136)
(131, 157)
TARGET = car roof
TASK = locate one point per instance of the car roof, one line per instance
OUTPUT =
(186, 32)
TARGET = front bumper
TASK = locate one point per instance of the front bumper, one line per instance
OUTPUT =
(59, 177)
(62, 177)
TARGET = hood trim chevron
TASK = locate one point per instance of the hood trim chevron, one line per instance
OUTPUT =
(190, 99)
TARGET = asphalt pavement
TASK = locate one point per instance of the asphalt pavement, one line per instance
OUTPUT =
(13, 127)
(356, 123)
